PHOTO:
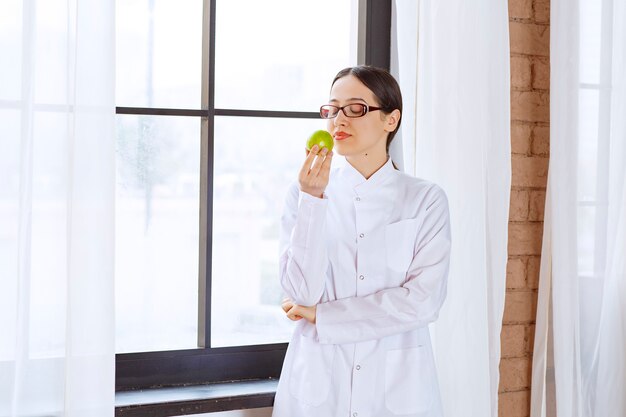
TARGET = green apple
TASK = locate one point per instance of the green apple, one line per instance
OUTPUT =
(321, 138)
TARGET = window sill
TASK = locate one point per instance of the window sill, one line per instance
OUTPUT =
(196, 399)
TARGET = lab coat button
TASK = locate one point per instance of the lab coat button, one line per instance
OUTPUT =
(361, 235)
(358, 367)
(358, 199)
(361, 277)
(355, 414)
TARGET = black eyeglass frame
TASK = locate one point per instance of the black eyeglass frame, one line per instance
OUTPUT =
(366, 109)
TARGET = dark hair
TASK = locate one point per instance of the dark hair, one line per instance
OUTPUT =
(384, 87)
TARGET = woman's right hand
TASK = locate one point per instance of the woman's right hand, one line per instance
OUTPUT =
(297, 312)
(315, 171)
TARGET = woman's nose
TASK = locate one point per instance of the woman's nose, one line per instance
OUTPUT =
(340, 119)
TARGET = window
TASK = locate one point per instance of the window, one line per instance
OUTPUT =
(216, 99)
(593, 164)
(594, 102)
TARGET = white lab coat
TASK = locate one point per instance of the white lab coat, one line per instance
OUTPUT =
(374, 256)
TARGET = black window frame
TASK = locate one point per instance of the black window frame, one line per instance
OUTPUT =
(204, 364)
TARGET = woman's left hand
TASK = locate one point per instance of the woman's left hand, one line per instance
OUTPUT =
(296, 312)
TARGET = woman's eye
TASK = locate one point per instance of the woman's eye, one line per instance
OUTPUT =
(328, 111)
(355, 109)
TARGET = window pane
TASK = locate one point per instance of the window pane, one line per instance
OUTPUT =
(48, 226)
(590, 40)
(588, 112)
(10, 161)
(586, 239)
(159, 53)
(51, 43)
(281, 54)
(11, 47)
(48, 279)
(157, 232)
(255, 162)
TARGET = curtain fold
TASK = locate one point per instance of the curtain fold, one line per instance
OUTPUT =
(581, 370)
(451, 58)
(57, 179)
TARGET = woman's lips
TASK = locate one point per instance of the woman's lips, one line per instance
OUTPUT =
(340, 136)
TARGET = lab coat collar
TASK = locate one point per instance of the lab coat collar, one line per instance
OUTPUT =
(359, 183)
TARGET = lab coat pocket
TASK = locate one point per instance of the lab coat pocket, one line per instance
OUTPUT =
(409, 381)
(399, 242)
(311, 369)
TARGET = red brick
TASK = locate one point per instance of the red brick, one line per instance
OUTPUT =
(529, 171)
(516, 273)
(520, 9)
(513, 340)
(530, 148)
(541, 73)
(515, 374)
(529, 39)
(540, 140)
(519, 206)
(514, 404)
(542, 11)
(525, 238)
(537, 205)
(521, 136)
(530, 339)
(520, 307)
(532, 272)
(530, 106)
(521, 73)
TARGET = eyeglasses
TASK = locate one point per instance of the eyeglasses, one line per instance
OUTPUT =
(328, 111)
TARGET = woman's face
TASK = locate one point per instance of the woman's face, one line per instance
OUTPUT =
(366, 135)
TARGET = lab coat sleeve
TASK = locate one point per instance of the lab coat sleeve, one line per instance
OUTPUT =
(303, 259)
(397, 310)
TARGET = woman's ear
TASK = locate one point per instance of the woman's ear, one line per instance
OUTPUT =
(392, 120)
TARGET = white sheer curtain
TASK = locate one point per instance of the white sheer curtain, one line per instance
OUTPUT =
(57, 173)
(579, 365)
(453, 68)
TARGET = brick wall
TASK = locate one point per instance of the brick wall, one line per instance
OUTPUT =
(529, 22)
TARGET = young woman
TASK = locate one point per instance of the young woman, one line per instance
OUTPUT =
(364, 262)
